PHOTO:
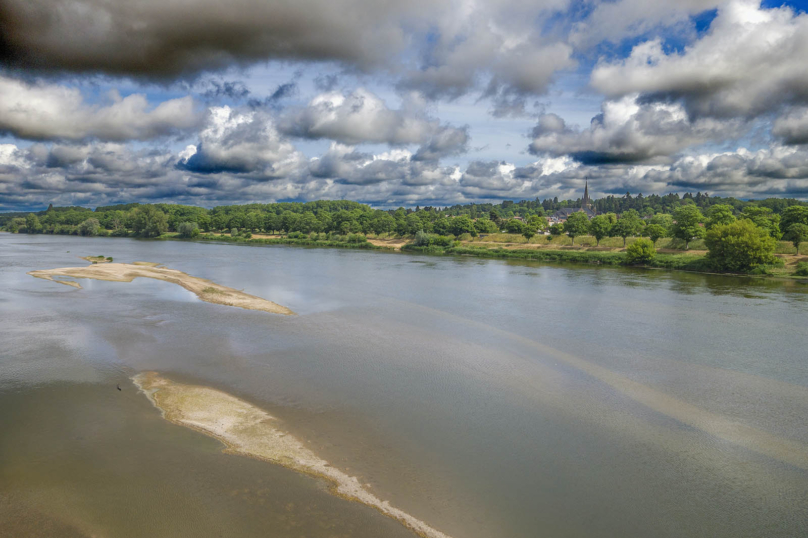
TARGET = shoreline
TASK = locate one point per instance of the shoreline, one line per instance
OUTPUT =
(668, 261)
(206, 290)
(247, 430)
(681, 262)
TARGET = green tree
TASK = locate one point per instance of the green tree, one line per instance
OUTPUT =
(89, 227)
(577, 224)
(655, 231)
(537, 223)
(640, 251)
(796, 214)
(148, 221)
(414, 224)
(763, 218)
(600, 227)
(188, 230)
(463, 225)
(628, 224)
(513, 226)
(686, 226)
(798, 233)
(720, 214)
(662, 219)
(15, 224)
(32, 224)
(556, 229)
(740, 246)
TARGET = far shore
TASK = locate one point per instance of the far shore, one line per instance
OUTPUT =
(206, 290)
(553, 249)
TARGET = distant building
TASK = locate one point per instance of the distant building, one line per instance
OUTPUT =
(586, 206)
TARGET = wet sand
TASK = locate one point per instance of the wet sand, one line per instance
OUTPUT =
(206, 290)
(250, 431)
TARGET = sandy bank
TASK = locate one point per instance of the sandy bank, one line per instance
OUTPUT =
(389, 243)
(250, 431)
(125, 272)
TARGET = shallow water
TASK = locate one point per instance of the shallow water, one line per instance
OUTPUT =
(484, 397)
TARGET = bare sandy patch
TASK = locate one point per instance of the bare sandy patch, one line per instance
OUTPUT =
(389, 243)
(250, 431)
(206, 290)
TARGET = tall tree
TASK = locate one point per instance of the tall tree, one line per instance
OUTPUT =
(577, 224)
(686, 226)
(798, 233)
(600, 227)
(628, 224)
(720, 214)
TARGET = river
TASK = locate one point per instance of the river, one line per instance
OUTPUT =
(487, 398)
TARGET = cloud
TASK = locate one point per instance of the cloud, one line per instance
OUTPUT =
(774, 171)
(361, 117)
(614, 21)
(751, 62)
(792, 126)
(241, 142)
(160, 39)
(234, 89)
(39, 111)
(627, 131)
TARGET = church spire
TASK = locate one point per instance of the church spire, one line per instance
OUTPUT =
(586, 202)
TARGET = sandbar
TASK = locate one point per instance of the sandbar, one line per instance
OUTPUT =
(206, 290)
(250, 431)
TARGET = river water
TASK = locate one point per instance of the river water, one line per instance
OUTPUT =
(484, 397)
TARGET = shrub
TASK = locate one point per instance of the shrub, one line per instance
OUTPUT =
(640, 251)
(739, 246)
(188, 230)
(356, 238)
(89, 227)
(233, 232)
(802, 269)
(247, 234)
(421, 239)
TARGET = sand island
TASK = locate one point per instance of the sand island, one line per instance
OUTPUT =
(250, 431)
(206, 290)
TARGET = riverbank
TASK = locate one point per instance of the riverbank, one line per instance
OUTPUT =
(666, 258)
(208, 291)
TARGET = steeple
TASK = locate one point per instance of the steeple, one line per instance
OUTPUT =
(585, 203)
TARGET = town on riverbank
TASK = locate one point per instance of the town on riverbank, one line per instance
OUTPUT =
(692, 232)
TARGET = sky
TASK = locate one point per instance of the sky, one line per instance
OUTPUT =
(424, 102)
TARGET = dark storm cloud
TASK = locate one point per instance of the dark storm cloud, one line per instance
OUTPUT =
(165, 40)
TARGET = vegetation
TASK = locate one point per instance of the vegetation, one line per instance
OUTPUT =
(687, 224)
(577, 224)
(629, 224)
(802, 269)
(188, 230)
(641, 251)
(741, 232)
(739, 247)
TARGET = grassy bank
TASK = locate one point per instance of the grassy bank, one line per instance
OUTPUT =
(303, 242)
(683, 262)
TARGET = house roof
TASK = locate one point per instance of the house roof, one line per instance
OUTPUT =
(565, 212)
